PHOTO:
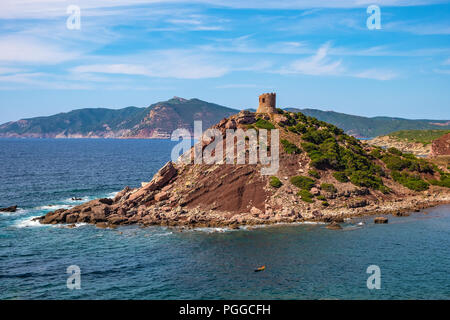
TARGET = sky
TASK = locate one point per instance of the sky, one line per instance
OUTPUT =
(313, 54)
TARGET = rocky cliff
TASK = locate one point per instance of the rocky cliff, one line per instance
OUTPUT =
(324, 175)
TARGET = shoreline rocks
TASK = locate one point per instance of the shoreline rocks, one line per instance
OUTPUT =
(380, 220)
(9, 209)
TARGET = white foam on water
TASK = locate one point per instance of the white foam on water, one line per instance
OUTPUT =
(18, 212)
(54, 207)
(28, 223)
(112, 194)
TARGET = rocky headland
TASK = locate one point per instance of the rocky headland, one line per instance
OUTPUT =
(324, 175)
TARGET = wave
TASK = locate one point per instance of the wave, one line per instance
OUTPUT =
(28, 223)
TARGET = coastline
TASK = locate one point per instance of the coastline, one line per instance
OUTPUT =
(199, 219)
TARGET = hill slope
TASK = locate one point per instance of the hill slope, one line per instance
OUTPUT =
(323, 175)
(365, 127)
(155, 121)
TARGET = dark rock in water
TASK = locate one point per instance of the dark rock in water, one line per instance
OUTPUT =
(401, 214)
(334, 226)
(76, 199)
(9, 209)
(380, 220)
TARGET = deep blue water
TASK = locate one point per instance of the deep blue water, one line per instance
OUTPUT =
(303, 261)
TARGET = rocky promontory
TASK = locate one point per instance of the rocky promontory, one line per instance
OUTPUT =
(324, 175)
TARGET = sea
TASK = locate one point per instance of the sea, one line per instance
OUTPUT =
(408, 258)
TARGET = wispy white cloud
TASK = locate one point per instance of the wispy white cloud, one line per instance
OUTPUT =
(318, 64)
(43, 9)
(180, 64)
(15, 49)
(376, 74)
(419, 27)
(237, 86)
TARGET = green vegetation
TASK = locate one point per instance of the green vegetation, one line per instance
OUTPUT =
(330, 149)
(264, 124)
(325, 203)
(275, 182)
(420, 136)
(340, 176)
(289, 147)
(328, 187)
(314, 174)
(407, 161)
(303, 182)
(395, 151)
(306, 195)
(321, 197)
(371, 127)
(444, 180)
(412, 182)
(84, 121)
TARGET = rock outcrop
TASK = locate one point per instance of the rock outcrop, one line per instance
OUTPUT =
(231, 194)
(9, 209)
(441, 146)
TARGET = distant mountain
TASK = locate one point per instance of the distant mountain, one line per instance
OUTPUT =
(159, 120)
(364, 127)
(155, 121)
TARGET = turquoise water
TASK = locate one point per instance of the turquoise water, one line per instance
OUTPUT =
(302, 261)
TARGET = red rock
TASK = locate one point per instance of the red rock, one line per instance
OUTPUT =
(441, 146)
(161, 196)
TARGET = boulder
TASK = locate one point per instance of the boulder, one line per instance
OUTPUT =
(380, 220)
(334, 226)
(161, 196)
(358, 203)
(255, 211)
(9, 209)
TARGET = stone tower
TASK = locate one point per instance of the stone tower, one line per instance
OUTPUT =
(267, 103)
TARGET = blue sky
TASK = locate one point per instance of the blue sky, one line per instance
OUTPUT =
(317, 54)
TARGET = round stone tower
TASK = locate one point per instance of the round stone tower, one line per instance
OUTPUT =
(267, 103)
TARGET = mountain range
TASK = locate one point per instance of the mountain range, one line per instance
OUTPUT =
(159, 120)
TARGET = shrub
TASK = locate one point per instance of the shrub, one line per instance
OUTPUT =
(264, 124)
(314, 174)
(302, 182)
(443, 182)
(329, 187)
(394, 151)
(412, 182)
(384, 189)
(289, 147)
(395, 163)
(340, 176)
(366, 179)
(321, 198)
(325, 203)
(306, 196)
(275, 182)
(375, 153)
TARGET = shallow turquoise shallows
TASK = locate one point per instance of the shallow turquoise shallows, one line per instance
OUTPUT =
(302, 261)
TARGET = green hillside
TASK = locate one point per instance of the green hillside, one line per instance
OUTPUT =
(420, 136)
(365, 127)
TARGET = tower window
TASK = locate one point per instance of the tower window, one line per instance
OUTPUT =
(263, 100)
